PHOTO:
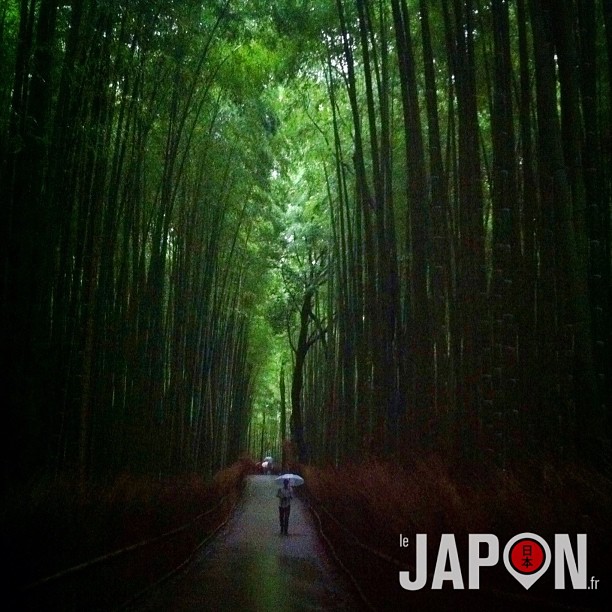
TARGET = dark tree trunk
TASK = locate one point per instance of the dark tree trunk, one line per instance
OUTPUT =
(297, 383)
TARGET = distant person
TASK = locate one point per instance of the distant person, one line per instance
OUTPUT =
(267, 465)
(284, 495)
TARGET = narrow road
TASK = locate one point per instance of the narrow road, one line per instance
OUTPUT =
(251, 567)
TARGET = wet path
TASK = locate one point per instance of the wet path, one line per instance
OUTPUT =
(250, 567)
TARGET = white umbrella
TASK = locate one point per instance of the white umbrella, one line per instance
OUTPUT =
(294, 479)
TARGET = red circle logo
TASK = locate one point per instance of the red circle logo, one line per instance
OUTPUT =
(527, 556)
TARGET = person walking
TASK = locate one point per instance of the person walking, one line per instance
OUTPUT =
(285, 496)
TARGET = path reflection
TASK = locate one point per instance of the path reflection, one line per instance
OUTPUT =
(252, 568)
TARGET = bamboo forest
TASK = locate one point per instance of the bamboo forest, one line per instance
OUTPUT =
(341, 233)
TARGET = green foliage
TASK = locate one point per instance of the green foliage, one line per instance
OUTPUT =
(9, 25)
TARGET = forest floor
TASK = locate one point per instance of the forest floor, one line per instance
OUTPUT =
(361, 511)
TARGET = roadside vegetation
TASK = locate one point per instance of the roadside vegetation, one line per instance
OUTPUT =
(51, 530)
(365, 507)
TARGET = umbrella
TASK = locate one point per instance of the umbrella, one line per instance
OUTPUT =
(268, 458)
(294, 479)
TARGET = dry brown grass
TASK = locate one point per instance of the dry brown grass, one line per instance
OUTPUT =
(427, 498)
(377, 501)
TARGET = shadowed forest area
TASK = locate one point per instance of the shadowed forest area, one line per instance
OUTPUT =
(363, 236)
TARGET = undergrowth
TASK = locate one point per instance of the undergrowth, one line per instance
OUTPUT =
(427, 498)
(50, 527)
(376, 501)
